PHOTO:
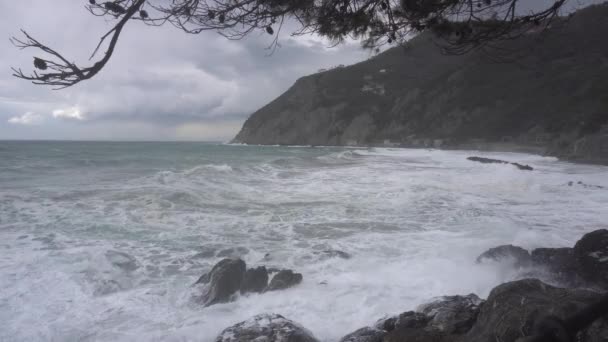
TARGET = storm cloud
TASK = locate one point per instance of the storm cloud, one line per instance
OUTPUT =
(161, 83)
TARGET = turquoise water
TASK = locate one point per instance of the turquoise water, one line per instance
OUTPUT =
(102, 241)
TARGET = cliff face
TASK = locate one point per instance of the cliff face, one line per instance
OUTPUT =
(551, 90)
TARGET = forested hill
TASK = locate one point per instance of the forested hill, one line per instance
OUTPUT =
(550, 89)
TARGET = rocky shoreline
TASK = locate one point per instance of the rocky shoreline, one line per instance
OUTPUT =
(512, 310)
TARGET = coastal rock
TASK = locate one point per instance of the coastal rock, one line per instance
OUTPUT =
(224, 281)
(367, 334)
(408, 319)
(511, 309)
(519, 256)
(498, 161)
(560, 263)
(284, 279)
(591, 253)
(484, 160)
(255, 280)
(266, 328)
(453, 314)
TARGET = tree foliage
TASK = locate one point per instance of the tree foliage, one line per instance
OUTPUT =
(460, 25)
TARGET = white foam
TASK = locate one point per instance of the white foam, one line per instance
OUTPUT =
(115, 259)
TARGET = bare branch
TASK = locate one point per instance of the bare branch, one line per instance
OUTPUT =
(460, 25)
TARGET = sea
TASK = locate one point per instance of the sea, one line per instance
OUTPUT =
(102, 241)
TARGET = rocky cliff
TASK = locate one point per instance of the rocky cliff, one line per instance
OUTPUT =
(546, 89)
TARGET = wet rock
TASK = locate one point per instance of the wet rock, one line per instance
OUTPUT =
(204, 279)
(560, 263)
(591, 253)
(266, 328)
(416, 335)
(519, 256)
(453, 314)
(366, 334)
(523, 167)
(498, 161)
(486, 160)
(283, 280)
(224, 281)
(122, 260)
(409, 319)
(255, 280)
(512, 308)
(234, 253)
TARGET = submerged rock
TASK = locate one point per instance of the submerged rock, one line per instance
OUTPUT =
(122, 260)
(498, 161)
(453, 314)
(519, 256)
(334, 253)
(591, 253)
(255, 280)
(284, 279)
(266, 328)
(224, 280)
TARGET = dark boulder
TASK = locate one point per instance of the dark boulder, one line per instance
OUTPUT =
(519, 256)
(484, 160)
(266, 328)
(453, 314)
(224, 281)
(366, 334)
(204, 279)
(255, 280)
(560, 263)
(591, 253)
(284, 279)
(512, 308)
(498, 161)
(408, 319)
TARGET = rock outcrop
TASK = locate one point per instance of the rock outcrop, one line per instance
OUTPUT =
(553, 99)
(283, 280)
(591, 254)
(509, 253)
(224, 281)
(255, 280)
(512, 308)
(229, 277)
(266, 328)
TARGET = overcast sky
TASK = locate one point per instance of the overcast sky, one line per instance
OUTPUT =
(160, 84)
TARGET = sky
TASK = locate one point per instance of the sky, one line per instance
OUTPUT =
(161, 84)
